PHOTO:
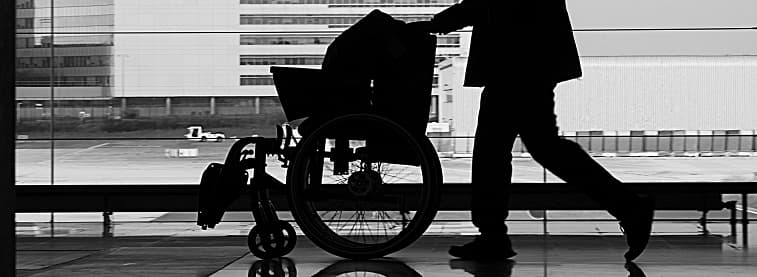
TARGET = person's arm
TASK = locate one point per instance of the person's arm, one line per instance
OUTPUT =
(458, 16)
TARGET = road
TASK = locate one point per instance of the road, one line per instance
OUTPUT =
(145, 162)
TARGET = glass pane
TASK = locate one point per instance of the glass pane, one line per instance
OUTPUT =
(128, 83)
(33, 166)
(456, 157)
(33, 94)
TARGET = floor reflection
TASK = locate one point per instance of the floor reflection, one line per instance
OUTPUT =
(672, 255)
(284, 267)
(280, 267)
(503, 268)
(382, 267)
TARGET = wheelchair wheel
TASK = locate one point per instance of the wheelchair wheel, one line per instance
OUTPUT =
(271, 241)
(363, 187)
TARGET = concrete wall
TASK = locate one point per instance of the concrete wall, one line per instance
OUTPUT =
(661, 93)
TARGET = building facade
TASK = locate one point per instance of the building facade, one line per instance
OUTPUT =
(160, 58)
(214, 57)
(648, 65)
(63, 53)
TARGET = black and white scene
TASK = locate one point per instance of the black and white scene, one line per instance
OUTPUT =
(378, 138)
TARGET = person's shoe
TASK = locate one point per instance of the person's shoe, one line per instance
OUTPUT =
(634, 270)
(484, 248)
(638, 227)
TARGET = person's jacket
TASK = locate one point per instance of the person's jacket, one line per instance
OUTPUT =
(523, 40)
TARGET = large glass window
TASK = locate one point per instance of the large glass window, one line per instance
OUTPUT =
(82, 74)
(107, 89)
(66, 61)
(248, 39)
(256, 80)
(281, 60)
(248, 19)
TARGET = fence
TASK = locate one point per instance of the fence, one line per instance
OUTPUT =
(702, 143)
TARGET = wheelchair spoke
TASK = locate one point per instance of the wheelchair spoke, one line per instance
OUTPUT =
(363, 192)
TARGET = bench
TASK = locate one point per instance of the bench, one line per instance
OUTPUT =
(692, 196)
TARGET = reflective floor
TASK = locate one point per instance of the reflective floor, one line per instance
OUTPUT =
(554, 255)
(538, 256)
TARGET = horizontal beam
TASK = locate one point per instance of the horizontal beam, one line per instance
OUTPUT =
(454, 196)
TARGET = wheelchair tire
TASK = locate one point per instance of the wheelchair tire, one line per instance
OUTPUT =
(380, 202)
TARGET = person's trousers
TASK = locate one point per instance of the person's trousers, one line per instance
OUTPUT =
(528, 110)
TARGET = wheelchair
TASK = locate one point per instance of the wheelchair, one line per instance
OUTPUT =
(362, 182)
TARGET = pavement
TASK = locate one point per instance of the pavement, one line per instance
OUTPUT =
(146, 162)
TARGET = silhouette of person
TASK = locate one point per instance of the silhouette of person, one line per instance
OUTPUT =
(519, 52)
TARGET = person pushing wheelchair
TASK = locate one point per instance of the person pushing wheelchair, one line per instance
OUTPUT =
(519, 52)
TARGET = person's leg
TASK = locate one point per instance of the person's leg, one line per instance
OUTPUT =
(492, 168)
(570, 162)
(566, 159)
(491, 175)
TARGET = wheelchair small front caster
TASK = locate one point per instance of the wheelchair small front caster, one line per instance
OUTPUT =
(267, 241)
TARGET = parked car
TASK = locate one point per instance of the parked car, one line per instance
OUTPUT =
(196, 133)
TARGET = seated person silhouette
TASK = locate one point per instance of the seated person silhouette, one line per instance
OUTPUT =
(366, 69)
(520, 50)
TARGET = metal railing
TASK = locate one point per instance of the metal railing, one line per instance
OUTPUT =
(107, 199)
(701, 144)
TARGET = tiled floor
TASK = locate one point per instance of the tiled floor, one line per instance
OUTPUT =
(556, 255)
